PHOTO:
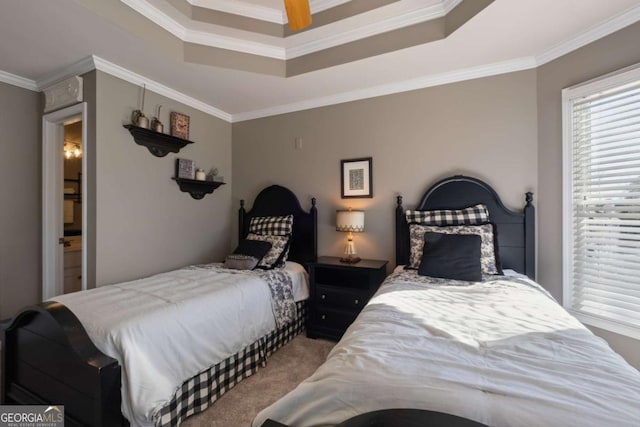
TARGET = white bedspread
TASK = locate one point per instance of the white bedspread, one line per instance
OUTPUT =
(166, 328)
(501, 352)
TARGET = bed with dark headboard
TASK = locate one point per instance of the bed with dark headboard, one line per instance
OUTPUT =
(48, 358)
(515, 230)
(275, 201)
(499, 351)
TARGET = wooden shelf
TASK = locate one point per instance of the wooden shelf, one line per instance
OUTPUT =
(158, 144)
(197, 189)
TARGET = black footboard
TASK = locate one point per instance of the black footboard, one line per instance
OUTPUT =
(48, 358)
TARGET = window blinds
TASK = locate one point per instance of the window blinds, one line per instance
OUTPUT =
(604, 261)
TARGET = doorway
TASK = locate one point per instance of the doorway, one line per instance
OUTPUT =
(72, 206)
(64, 186)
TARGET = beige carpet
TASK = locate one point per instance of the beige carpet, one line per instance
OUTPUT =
(285, 370)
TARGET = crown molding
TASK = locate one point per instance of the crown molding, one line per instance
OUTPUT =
(449, 5)
(592, 34)
(324, 37)
(239, 7)
(235, 44)
(94, 62)
(262, 13)
(18, 81)
(164, 20)
(77, 68)
(157, 16)
(397, 87)
(331, 39)
(138, 79)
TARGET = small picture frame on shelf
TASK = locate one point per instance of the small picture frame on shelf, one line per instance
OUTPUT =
(179, 125)
(185, 169)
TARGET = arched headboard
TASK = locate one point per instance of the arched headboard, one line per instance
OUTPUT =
(516, 230)
(275, 201)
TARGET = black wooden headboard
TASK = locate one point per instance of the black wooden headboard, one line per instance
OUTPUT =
(516, 230)
(275, 201)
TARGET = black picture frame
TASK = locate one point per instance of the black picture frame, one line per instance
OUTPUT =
(185, 169)
(356, 178)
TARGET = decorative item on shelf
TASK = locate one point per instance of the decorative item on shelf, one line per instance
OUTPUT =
(179, 125)
(350, 221)
(356, 178)
(200, 175)
(137, 117)
(213, 174)
(298, 14)
(156, 124)
(185, 169)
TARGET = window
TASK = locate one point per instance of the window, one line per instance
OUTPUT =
(601, 212)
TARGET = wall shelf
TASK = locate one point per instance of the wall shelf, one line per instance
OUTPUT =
(197, 189)
(158, 144)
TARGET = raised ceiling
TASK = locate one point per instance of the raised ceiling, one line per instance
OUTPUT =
(209, 53)
(253, 36)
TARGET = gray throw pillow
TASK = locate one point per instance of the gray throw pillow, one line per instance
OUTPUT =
(240, 262)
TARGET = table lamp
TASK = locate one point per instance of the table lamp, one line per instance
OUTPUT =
(352, 222)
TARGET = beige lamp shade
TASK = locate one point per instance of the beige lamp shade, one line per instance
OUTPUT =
(350, 220)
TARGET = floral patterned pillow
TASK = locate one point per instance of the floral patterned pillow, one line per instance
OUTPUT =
(277, 255)
(488, 248)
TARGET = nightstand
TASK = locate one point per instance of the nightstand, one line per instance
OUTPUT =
(338, 293)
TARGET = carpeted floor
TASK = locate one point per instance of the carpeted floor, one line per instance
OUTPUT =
(285, 370)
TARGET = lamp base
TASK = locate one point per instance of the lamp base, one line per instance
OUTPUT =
(350, 260)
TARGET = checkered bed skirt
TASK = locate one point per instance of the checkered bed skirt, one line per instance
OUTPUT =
(200, 391)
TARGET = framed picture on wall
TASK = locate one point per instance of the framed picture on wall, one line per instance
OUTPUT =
(356, 178)
(185, 169)
(179, 125)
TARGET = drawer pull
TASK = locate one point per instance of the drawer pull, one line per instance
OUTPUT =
(357, 301)
(323, 296)
(324, 316)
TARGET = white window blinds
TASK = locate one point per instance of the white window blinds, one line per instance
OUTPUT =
(602, 203)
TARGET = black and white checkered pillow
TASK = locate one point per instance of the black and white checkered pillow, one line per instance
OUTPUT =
(473, 215)
(271, 225)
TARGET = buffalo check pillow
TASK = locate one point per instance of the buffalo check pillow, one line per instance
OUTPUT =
(271, 225)
(473, 215)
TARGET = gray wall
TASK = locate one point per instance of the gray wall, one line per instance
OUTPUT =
(89, 156)
(145, 224)
(486, 128)
(20, 195)
(611, 53)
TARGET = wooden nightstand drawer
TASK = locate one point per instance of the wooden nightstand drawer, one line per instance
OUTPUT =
(339, 291)
(342, 278)
(326, 318)
(336, 297)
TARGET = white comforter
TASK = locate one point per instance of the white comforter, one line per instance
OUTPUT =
(501, 352)
(166, 328)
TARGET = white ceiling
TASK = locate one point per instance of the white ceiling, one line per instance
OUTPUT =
(39, 39)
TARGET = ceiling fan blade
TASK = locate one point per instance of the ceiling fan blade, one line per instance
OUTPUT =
(298, 13)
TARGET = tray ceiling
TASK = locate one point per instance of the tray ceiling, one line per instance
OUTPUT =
(230, 57)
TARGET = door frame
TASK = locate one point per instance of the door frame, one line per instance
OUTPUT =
(52, 196)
